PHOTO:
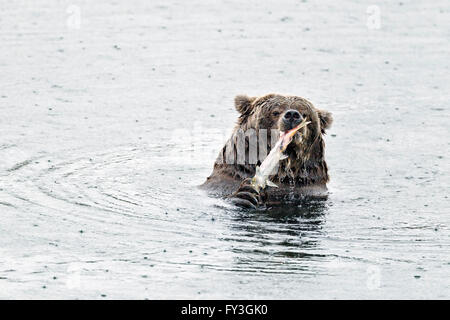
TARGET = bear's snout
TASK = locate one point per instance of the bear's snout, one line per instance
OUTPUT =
(291, 119)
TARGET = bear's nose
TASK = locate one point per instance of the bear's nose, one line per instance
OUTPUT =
(292, 115)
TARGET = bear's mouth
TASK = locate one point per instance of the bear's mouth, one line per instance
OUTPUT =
(296, 147)
(298, 138)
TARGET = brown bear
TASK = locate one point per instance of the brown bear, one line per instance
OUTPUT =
(302, 173)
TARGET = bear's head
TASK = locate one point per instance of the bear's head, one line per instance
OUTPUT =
(305, 164)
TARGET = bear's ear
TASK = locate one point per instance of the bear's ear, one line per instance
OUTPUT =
(326, 119)
(243, 104)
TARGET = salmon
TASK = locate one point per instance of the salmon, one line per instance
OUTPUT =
(261, 178)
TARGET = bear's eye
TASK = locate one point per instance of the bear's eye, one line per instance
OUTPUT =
(276, 113)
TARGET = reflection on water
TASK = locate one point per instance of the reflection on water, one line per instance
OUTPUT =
(307, 208)
(279, 239)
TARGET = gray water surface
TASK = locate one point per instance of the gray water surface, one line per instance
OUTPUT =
(106, 131)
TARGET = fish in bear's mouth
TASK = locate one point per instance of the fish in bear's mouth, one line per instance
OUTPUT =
(298, 141)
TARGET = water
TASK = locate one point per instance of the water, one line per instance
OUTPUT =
(106, 131)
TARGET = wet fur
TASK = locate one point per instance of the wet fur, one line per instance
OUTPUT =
(304, 172)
